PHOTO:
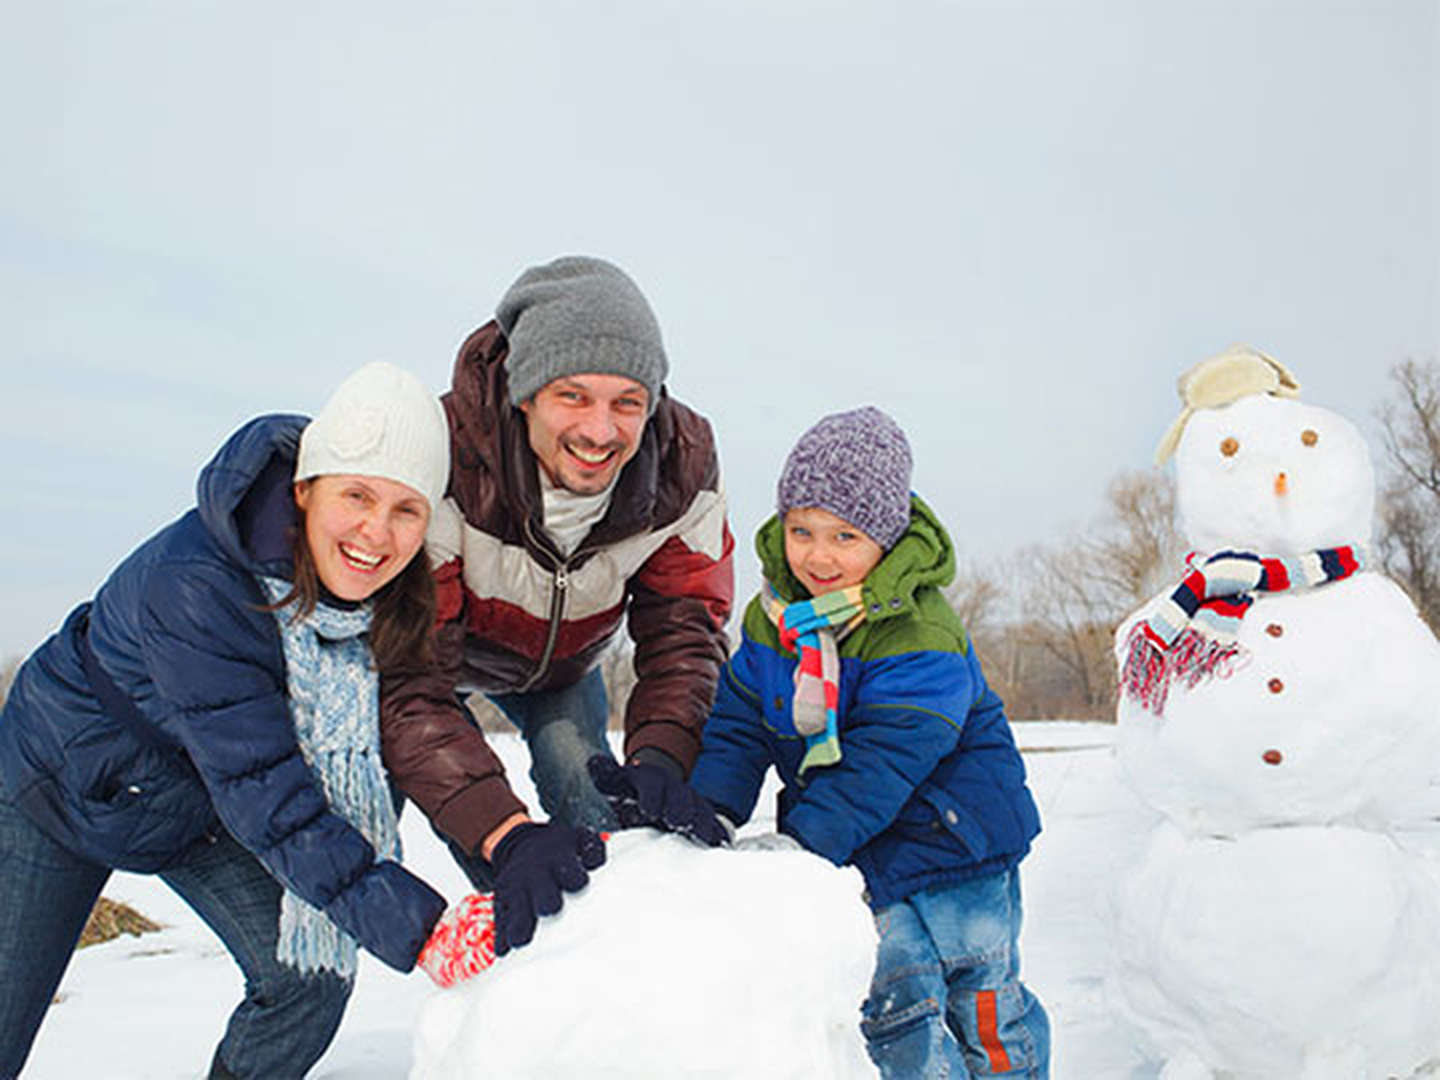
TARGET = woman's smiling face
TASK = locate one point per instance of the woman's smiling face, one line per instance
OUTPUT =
(361, 530)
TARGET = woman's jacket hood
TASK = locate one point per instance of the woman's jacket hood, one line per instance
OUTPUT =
(243, 496)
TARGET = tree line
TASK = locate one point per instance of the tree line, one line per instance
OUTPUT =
(1044, 619)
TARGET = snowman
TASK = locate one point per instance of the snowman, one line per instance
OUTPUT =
(1280, 709)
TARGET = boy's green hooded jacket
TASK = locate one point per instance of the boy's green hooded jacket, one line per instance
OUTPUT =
(930, 788)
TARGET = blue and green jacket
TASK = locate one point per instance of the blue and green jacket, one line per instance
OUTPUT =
(930, 789)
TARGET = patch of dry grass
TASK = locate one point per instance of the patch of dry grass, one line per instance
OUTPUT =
(110, 919)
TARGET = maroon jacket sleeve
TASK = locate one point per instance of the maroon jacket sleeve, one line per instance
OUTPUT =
(680, 601)
(434, 752)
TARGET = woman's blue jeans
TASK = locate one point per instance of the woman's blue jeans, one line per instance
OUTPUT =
(281, 1028)
(946, 999)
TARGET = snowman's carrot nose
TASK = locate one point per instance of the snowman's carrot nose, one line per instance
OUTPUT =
(1282, 484)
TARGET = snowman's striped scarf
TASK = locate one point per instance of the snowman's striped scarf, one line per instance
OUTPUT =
(811, 629)
(1191, 635)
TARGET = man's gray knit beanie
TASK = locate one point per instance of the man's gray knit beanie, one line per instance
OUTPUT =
(856, 465)
(576, 316)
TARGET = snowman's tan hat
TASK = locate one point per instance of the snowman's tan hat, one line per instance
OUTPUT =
(1239, 371)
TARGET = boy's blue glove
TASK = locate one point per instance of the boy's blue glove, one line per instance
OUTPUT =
(534, 864)
(646, 793)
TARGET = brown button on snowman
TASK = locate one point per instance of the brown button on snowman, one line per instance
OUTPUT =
(1280, 707)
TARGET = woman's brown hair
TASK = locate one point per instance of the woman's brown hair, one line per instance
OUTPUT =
(403, 616)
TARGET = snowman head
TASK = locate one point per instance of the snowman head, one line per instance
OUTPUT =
(1273, 475)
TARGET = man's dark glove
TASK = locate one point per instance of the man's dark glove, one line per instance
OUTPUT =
(534, 864)
(645, 793)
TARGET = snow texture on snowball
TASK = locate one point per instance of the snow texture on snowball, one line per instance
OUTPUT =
(1305, 952)
(621, 996)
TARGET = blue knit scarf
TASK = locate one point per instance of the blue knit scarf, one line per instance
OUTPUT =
(335, 705)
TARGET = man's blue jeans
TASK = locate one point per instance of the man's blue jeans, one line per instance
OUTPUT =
(281, 1028)
(563, 728)
(946, 999)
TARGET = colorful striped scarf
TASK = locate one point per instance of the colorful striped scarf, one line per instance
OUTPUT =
(1192, 634)
(812, 629)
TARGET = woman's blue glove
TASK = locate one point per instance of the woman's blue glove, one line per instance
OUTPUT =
(645, 793)
(534, 864)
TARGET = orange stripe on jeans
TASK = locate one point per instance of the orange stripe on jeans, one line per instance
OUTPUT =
(990, 1032)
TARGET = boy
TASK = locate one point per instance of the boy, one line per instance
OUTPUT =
(895, 755)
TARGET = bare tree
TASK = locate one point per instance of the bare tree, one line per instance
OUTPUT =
(1409, 500)
(1410, 424)
(983, 604)
(488, 715)
(1136, 550)
(1068, 622)
(8, 668)
(1409, 526)
(1075, 595)
(976, 597)
(617, 668)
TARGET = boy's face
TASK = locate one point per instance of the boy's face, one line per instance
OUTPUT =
(825, 552)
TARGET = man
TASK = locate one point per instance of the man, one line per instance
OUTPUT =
(581, 495)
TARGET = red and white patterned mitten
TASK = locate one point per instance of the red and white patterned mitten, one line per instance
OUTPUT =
(463, 942)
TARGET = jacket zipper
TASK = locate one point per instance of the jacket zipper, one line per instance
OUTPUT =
(560, 582)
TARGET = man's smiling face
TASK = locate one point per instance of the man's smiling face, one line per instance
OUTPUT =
(584, 428)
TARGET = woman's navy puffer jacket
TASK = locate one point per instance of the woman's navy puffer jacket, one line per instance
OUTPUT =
(179, 629)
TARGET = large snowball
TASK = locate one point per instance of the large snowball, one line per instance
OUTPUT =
(675, 961)
(1284, 953)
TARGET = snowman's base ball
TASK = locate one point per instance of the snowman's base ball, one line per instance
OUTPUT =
(1257, 953)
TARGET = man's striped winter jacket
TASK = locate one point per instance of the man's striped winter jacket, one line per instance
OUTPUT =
(515, 615)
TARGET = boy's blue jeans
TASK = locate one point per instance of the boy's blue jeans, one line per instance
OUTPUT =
(563, 729)
(946, 999)
(280, 1029)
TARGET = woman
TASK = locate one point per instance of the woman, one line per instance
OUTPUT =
(211, 717)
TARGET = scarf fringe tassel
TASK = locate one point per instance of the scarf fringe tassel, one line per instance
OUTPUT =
(1150, 669)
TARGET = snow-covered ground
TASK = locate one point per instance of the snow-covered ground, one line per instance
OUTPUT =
(153, 1007)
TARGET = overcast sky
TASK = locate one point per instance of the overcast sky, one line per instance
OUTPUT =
(1010, 224)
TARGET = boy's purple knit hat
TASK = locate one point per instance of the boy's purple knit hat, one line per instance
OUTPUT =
(856, 465)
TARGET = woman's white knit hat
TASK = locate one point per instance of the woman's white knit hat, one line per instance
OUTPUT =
(381, 421)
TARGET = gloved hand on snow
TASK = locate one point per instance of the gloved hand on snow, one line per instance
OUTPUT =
(649, 793)
(534, 864)
(462, 944)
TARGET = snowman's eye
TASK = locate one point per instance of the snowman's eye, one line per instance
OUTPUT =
(1229, 446)
(1309, 436)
